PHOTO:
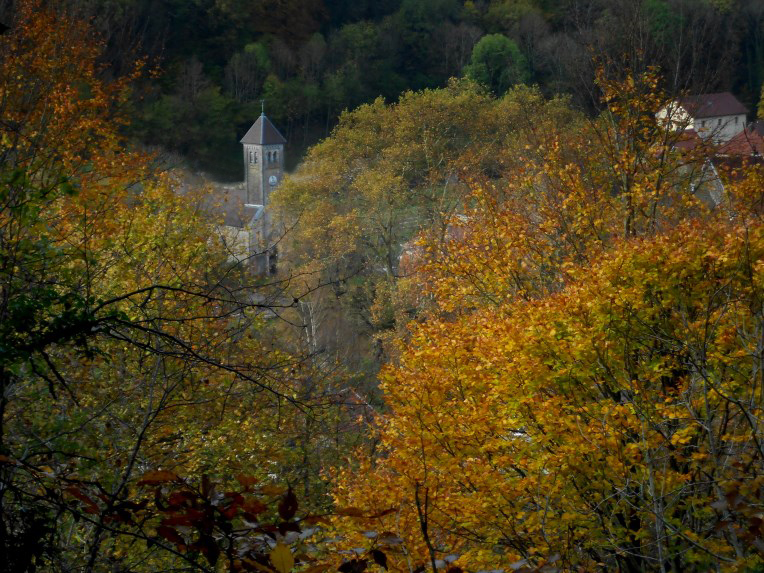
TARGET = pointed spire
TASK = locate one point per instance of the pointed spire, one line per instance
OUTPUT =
(262, 121)
(263, 132)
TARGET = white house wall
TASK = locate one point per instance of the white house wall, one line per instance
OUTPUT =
(677, 116)
(720, 128)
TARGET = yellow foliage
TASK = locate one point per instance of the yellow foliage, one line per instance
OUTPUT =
(589, 384)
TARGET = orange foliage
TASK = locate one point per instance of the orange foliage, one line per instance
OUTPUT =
(588, 391)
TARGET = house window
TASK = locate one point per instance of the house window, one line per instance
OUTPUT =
(736, 120)
(719, 122)
(275, 156)
(252, 156)
(703, 123)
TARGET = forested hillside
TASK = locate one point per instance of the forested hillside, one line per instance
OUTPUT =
(516, 321)
(311, 59)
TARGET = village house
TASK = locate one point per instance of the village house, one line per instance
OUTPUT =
(714, 124)
(717, 117)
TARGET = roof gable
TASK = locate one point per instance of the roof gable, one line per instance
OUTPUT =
(713, 105)
(263, 132)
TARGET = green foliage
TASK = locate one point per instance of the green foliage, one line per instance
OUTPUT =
(416, 22)
(663, 20)
(560, 310)
(201, 128)
(387, 48)
(504, 15)
(497, 63)
(418, 13)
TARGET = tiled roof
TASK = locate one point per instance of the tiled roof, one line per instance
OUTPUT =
(748, 142)
(242, 215)
(713, 105)
(229, 202)
(688, 139)
(263, 132)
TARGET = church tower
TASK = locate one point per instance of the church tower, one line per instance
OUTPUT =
(263, 170)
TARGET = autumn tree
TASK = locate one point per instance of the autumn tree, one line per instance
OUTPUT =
(584, 395)
(566, 197)
(387, 173)
(604, 424)
(128, 350)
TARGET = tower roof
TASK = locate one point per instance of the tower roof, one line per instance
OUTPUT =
(263, 132)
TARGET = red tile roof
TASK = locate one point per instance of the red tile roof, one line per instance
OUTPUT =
(712, 105)
(748, 142)
(688, 139)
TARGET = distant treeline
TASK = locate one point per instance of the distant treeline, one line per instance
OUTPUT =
(311, 59)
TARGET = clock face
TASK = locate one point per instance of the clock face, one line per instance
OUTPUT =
(272, 180)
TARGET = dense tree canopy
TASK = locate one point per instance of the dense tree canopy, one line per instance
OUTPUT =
(584, 390)
(615, 422)
(534, 330)
(312, 60)
(388, 171)
(131, 351)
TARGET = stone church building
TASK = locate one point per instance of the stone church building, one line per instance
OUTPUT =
(247, 231)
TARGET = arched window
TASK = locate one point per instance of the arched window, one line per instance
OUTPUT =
(252, 156)
(275, 156)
